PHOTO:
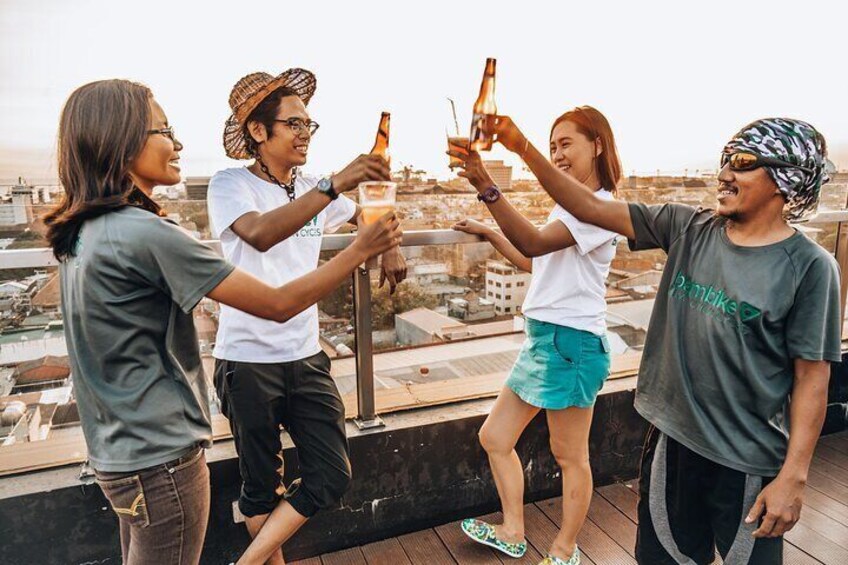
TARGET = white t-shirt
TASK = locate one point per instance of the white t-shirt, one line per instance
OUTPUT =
(242, 337)
(567, 286)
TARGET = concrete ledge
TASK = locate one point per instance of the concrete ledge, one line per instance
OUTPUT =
(424, 468)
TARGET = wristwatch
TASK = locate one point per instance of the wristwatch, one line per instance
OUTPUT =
(490, 195)
(325, 186)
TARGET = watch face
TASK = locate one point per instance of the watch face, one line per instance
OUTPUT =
(324, 184)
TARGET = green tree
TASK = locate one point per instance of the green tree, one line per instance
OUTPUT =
(408, 296)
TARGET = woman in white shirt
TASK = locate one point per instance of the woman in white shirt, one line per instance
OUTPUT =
(565, 358)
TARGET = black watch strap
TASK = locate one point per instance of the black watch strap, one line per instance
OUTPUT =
(490, 195)
(325, 186)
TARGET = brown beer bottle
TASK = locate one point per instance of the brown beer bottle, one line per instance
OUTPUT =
(381, 143)
(484, 109)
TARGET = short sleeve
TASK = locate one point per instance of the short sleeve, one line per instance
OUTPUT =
(167, 257)
(658, 226)
(228, 199)
(813, 329)
(339, 212)
(587, 237)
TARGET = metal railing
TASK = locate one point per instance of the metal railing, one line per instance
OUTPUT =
(366, 395)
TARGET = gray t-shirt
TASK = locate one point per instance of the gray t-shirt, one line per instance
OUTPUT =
(127, 296)
(717, 367)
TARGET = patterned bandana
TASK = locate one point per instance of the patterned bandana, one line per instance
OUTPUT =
(793, 141)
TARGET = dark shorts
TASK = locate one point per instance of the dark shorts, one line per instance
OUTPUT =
(300, 396)
(690, 506)
(162, 510)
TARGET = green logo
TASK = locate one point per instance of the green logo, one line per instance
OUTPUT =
(712, 300)
(748, 312)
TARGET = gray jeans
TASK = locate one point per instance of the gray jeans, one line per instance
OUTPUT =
(163, 510)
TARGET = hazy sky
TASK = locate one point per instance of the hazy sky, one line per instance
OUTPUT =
(675, 79)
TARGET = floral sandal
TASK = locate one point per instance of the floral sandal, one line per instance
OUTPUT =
(484, 533)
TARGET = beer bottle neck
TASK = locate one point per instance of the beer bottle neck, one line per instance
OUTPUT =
(486, 101)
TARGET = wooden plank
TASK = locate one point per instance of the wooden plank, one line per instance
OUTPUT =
(310, 561)
(816, 545)
(463, 549)
(834, 472)
(623, 498)
(426, 548)
(618, 526)
(351, 556)
(836, 441)
(826, 485)
(825, 525)
(541, 531)
(826, 505)
(592, 540)
(385, 552)
(832, 455)
(421, 395)
(794, 556)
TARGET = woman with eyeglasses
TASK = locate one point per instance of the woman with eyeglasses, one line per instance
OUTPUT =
(130, 278)
(734, 373)
(565, 358)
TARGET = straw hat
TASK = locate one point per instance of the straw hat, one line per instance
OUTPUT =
(249, 92)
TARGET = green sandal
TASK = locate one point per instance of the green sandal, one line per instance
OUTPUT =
(484, 533)
(573, 560)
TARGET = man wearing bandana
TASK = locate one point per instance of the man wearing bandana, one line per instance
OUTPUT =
(745, 326)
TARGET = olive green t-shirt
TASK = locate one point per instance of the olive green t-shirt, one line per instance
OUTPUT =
(127, 295)
(729, 321)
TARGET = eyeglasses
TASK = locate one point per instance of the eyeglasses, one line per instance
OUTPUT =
(747, 161)
(298, 126)
(167, 132)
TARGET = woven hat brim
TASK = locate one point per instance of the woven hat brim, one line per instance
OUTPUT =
(300, 81)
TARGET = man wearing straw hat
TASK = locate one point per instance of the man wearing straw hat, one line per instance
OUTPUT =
(270, 219)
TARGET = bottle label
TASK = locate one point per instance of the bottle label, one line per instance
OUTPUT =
(480, 140)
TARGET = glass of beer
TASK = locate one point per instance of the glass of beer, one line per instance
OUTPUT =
(376, 198)
(459, 145)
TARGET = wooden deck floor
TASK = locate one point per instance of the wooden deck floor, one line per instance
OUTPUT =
(609, 535)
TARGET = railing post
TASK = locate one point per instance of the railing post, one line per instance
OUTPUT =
(365, 394)
(841, 254)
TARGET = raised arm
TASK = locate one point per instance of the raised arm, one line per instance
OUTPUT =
(578, 199)
(248, 294)
(526, 238)
(264, 231)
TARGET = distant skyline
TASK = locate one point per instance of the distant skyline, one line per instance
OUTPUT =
(675, 80)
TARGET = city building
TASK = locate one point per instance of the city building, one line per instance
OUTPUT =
(506, 286)
(423, 325)
(196, 187)
(629, 320)
(18, 212)
(501, 174)
(471, 308)
(643, 285)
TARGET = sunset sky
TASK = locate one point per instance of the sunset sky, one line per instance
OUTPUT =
(675, 79)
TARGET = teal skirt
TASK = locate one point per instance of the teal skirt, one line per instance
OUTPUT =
(559, 367)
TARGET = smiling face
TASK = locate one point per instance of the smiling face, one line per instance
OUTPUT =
(574, 153)
(158, 162)
(281, 145)
(745, 194)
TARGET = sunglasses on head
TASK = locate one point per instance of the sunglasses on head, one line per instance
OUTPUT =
(748, 161)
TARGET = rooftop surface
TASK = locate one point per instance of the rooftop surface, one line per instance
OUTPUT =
(609, 535)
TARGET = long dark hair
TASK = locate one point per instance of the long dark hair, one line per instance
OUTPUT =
(103, 127)
(595, 126)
